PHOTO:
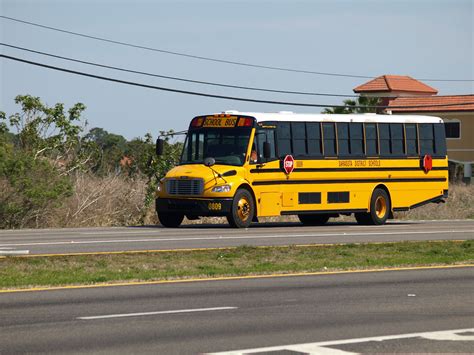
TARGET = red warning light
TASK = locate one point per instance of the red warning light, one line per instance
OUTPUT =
(196, 122)
(245, 122)
(427, 163)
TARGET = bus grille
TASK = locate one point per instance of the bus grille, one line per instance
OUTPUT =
(185, 186)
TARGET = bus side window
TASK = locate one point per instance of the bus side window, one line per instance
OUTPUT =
(396, 139)
(357, 139)
(384, 133)
(343, 138)
(313, 138)
(426, 138)
(329, 138)
(298, 138)
(440, 139)
(283, 138)
(411, 139)
(371, 139)
(266, 135)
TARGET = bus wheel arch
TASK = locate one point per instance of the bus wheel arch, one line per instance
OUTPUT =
(380, 207)
(382, 186)
(243, 208)
(249, 189)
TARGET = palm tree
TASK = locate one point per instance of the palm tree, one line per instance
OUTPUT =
(350, 106)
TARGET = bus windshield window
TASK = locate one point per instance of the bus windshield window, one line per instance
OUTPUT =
(226, 145)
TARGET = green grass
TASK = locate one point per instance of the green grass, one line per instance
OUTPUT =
(21, 272)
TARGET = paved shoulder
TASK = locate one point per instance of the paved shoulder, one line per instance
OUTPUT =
(60, 241)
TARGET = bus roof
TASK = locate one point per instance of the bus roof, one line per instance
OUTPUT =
(319, 117)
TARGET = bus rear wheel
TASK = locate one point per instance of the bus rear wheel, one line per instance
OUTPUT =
(170, 220)
(380, 207)
(313, 219)
(243, 209)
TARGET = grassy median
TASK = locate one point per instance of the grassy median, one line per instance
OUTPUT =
(22, 272)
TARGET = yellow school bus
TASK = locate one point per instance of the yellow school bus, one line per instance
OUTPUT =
(249, 165)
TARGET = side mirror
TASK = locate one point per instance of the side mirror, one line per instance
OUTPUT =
(266, 150)
(160, 146)
(209, 161)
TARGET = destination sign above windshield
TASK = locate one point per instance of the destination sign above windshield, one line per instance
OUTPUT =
(224, 121)
(220, 121)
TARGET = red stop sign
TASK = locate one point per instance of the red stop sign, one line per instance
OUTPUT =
(288, 164)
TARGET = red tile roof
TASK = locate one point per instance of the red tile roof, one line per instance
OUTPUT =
(433, 100)
(388, 83)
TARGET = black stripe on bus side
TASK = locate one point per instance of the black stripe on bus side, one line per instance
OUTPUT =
(339, 181)
(314, 170)
(363, 157)
(323, 211)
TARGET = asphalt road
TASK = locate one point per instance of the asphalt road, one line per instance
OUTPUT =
(221, 316)
(58, 241)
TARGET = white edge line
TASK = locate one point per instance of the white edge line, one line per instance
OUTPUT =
(344, 341)
(156, 313)
(14, 252)
(72, 242)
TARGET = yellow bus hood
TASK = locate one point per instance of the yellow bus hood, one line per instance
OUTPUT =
(201, 171)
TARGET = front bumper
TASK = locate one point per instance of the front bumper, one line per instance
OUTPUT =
(195, 207)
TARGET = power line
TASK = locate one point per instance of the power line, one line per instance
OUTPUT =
(210, 95)
(217, 60)
(175, 78)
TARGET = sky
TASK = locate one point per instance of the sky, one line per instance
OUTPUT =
(430, 39)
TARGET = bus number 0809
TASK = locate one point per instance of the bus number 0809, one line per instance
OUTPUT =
(214, 206)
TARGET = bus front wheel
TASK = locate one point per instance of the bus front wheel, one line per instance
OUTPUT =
(380, 207)
(313, 219)
(170, 220)
(243, 209)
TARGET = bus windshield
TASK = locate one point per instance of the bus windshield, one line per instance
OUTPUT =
(226, 145)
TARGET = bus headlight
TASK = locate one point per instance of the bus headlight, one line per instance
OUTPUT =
(161, 185)
(221, 188)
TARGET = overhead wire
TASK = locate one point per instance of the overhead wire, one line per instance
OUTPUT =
(196, 93)
(217, 60)
(173, 77)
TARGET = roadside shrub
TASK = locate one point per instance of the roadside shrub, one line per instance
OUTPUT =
(29, 188)
(112, 200)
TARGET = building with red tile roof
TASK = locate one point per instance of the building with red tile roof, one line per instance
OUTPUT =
(458, 114)
(457, 103)
(395, 85)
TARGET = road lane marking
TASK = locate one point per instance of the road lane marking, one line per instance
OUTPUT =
(122, 232)
(141, 314)
(233, 278)
(320, 347)
(14, 252)
(220, 237)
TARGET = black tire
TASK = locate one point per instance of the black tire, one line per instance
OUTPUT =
(380, 207)
(242, 210)
(170, 220)
(313, 219)
(362, 218)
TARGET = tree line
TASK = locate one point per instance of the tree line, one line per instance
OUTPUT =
(43, 147)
